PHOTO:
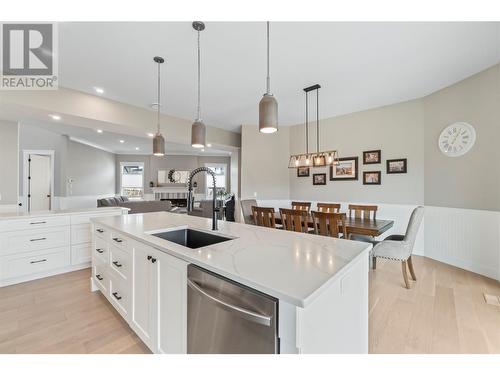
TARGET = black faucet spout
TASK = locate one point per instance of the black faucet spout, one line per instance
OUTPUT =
(190, 193)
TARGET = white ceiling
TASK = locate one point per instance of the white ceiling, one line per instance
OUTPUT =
(109, 141)
(359, 65)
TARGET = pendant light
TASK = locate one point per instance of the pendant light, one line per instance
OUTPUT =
(268, 106)
(198, 129)
(318, 158)
(158, 140)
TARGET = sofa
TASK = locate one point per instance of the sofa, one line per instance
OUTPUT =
(136, 207)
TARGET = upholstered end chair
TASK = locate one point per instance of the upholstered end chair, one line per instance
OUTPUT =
(400, 247)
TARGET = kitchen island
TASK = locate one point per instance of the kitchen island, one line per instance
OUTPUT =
(320, 283)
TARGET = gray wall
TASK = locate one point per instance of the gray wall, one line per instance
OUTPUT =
(472, 180)
(92, 170)
(264, 161)
(9, 158)
(397, 130)
(153, 164)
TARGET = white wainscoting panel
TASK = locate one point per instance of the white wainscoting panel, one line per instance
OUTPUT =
(468, 239)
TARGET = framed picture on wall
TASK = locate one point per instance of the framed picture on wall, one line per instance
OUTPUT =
(319, 179)
(372, 157)
(397, 166)
(303, 172)
(345, 170)
(372, 178)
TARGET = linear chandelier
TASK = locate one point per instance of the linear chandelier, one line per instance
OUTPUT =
(318, 158)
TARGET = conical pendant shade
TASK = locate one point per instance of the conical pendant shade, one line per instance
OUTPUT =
(268, 114)
(198, 134)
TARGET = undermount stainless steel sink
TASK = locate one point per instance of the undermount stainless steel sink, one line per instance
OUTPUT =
(191, 238)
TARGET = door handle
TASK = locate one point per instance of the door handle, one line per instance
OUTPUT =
(149, 257)
(242, 312)
(99, 277)
(100, 230)
(117, 264)
(116, 239)
(153, 260)
(100, 251)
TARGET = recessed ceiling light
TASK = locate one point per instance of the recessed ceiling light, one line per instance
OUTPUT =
(150, 135)
(99, 90)
(55, 117)
(137, 148)
(209, 145)
(122, 141)
(99, 130)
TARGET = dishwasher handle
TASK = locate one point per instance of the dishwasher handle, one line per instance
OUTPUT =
(242, 312)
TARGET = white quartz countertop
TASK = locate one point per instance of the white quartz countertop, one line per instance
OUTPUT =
(295, 267)
(73, 211)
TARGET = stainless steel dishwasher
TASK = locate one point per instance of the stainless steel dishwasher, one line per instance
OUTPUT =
(225, 317)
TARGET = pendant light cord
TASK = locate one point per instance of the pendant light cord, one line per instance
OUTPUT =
(268, 79)
(317, 120)
(199, 78)
(158, 104)
(307, 123)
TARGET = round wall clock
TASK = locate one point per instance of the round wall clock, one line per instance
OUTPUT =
(457, 139)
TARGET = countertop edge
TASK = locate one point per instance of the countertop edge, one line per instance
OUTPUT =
(5, 215)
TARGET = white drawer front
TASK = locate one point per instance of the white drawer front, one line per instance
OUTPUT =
(118, 240)
(81, 253)
(80, 233)
(34, 223)
(35, 239)
(120, 262)
(100, 251)
(34, 262)
(120, 296)
(101, 278)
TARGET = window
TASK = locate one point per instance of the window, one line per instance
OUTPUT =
(220, 178)
(132, 179)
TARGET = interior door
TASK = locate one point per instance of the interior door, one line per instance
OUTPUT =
(39, 192)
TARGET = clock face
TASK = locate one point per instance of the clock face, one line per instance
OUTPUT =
(457, 139)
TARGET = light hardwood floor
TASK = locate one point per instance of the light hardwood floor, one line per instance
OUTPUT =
(444, 312)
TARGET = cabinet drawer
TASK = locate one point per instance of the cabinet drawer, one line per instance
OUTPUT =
(80, 233)
(101, 278)
(100, 251)
(34, 262)
(33, 223)
(81, 253)
(101, 231)
(120, 262)
(120, 296)
(34, 239)
(118, 240)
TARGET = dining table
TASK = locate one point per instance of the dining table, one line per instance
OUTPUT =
(355, 225)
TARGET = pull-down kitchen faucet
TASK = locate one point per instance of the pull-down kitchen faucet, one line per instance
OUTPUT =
(190, 194)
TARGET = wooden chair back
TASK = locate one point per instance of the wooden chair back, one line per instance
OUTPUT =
(264, 216)
(294, 220)
(363, 212)
(246, 210)
(304, 206)
(328, 207)
(329, 224)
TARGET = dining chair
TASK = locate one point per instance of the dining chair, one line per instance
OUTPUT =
(246, 210)
(304, 206)
(264, 216)
(294, 220)
(328, 207)
(328, 223)
(359, 211)
(399, 247)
